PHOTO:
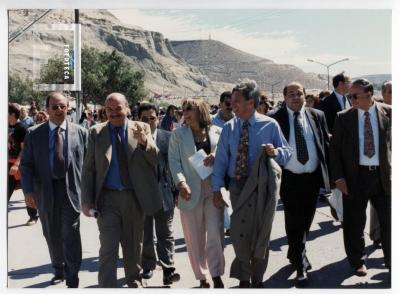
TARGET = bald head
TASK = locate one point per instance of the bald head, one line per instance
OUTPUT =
(117, 109)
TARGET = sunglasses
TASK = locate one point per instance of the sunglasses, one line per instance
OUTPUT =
(62, 107)
(148, 118)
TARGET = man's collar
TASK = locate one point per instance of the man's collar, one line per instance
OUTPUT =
(252, 118)
(124, 126)
(63, 126)
(291, 112)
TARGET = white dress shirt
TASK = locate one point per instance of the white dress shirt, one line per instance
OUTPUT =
(365, 160)
(339, 97)
(293, 164)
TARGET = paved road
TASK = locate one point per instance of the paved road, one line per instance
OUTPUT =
(29, 263)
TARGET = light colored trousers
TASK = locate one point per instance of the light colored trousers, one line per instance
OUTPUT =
(203, 232)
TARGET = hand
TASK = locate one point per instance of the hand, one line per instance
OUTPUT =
(184, 191)
(209, 160)
(30, 200)
(342, 186)
(86, 208)
(140, 135)
(270, 150)
(218, 200)
(13, 170)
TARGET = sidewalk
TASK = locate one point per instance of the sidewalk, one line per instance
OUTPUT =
(29, 262)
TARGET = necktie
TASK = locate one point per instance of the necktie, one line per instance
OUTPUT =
(301, 146)
(122, 159)
(59, 160)
(242, 154)
(344, 102)
(369, 147)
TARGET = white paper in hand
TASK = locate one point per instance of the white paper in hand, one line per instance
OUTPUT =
(196, 160)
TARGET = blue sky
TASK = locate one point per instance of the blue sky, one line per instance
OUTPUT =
(284, 36)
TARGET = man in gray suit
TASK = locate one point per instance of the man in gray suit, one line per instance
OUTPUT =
(120, 182)
(162, 220)
(51, 167)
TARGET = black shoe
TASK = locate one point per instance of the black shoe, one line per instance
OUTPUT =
(170, 277)
(73, 283)
(377, 244)
(32, 221)
(257, 285)
(361, 271)
(135, 284)
(204, 284)
(57, 279)
(147, 274)
(228, 232)
(218, 282)
(301, 279)
(244, 284)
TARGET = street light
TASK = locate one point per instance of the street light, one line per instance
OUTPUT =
(328, 65)
(272, 87)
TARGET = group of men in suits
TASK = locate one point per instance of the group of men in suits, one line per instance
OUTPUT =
(118, 172)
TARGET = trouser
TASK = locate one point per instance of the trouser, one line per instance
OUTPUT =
(61, 230)
(227, 210)
(12, 184)
(203, 232)
(354, 217)
(245, 270)
(374, 228)
(161, 225)
(299, 194)
(120, 221)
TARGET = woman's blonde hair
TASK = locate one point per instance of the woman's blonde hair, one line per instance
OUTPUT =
(201, 109)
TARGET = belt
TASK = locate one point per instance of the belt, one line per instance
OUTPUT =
(369, 167)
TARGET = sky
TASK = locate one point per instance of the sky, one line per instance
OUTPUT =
(286, 36)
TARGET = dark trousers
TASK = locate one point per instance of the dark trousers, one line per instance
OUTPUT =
(61, 230)
(162, 223)
(299, 194)
(12, 184)
(354, 217)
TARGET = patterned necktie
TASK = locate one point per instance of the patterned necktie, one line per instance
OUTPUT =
(369, 147)
(122, 159)
(344, 102)
(301, 145)
(242, 153)
(59, 160)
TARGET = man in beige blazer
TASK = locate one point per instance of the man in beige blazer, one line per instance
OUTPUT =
(119, 181)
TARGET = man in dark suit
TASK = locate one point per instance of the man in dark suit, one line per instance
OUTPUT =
(337, 100)
(51, 167)
(162, 220)
(119, 180)
(361, 168)
(304, 174)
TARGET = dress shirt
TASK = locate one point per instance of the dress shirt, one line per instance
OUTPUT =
(217, 120)
(293, 164)
(52, 142)
(365, 160)
(262, 130)
(340, 100)
(113, 179)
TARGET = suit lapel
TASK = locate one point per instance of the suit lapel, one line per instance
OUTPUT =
(71, 136)
(353, 130)
(312, 119)
(105, 143)
(132, 142)
(383, 123)
(46, 151)
(188, 137)
(285, 125)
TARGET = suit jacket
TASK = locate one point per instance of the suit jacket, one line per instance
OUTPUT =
(330, 106)
(321, 137)
(181, 147)
(344, 152)
(254, 209)
(165, 181)
(35, 165)
(141, 162)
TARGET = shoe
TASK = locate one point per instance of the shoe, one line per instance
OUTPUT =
(361, 271)
(73, 283)
(204, 284)
(134, 284)
(147, 274)
(257, 285)
(32, 221)
(228, 232)
(244, 284)
(377, 244)
(301, 279)
(218, 282)
(57, 279)
(170, 277)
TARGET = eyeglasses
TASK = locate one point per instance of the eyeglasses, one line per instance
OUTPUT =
(56, 107)
(148, 118)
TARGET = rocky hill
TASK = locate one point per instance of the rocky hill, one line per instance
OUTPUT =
(165, 72)
(226, 64)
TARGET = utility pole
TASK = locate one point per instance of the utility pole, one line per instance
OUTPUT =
(77, 62)
(328, 65)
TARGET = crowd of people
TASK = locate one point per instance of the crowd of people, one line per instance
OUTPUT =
(130, 168)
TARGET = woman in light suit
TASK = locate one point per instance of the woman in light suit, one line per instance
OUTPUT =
(202, 222)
